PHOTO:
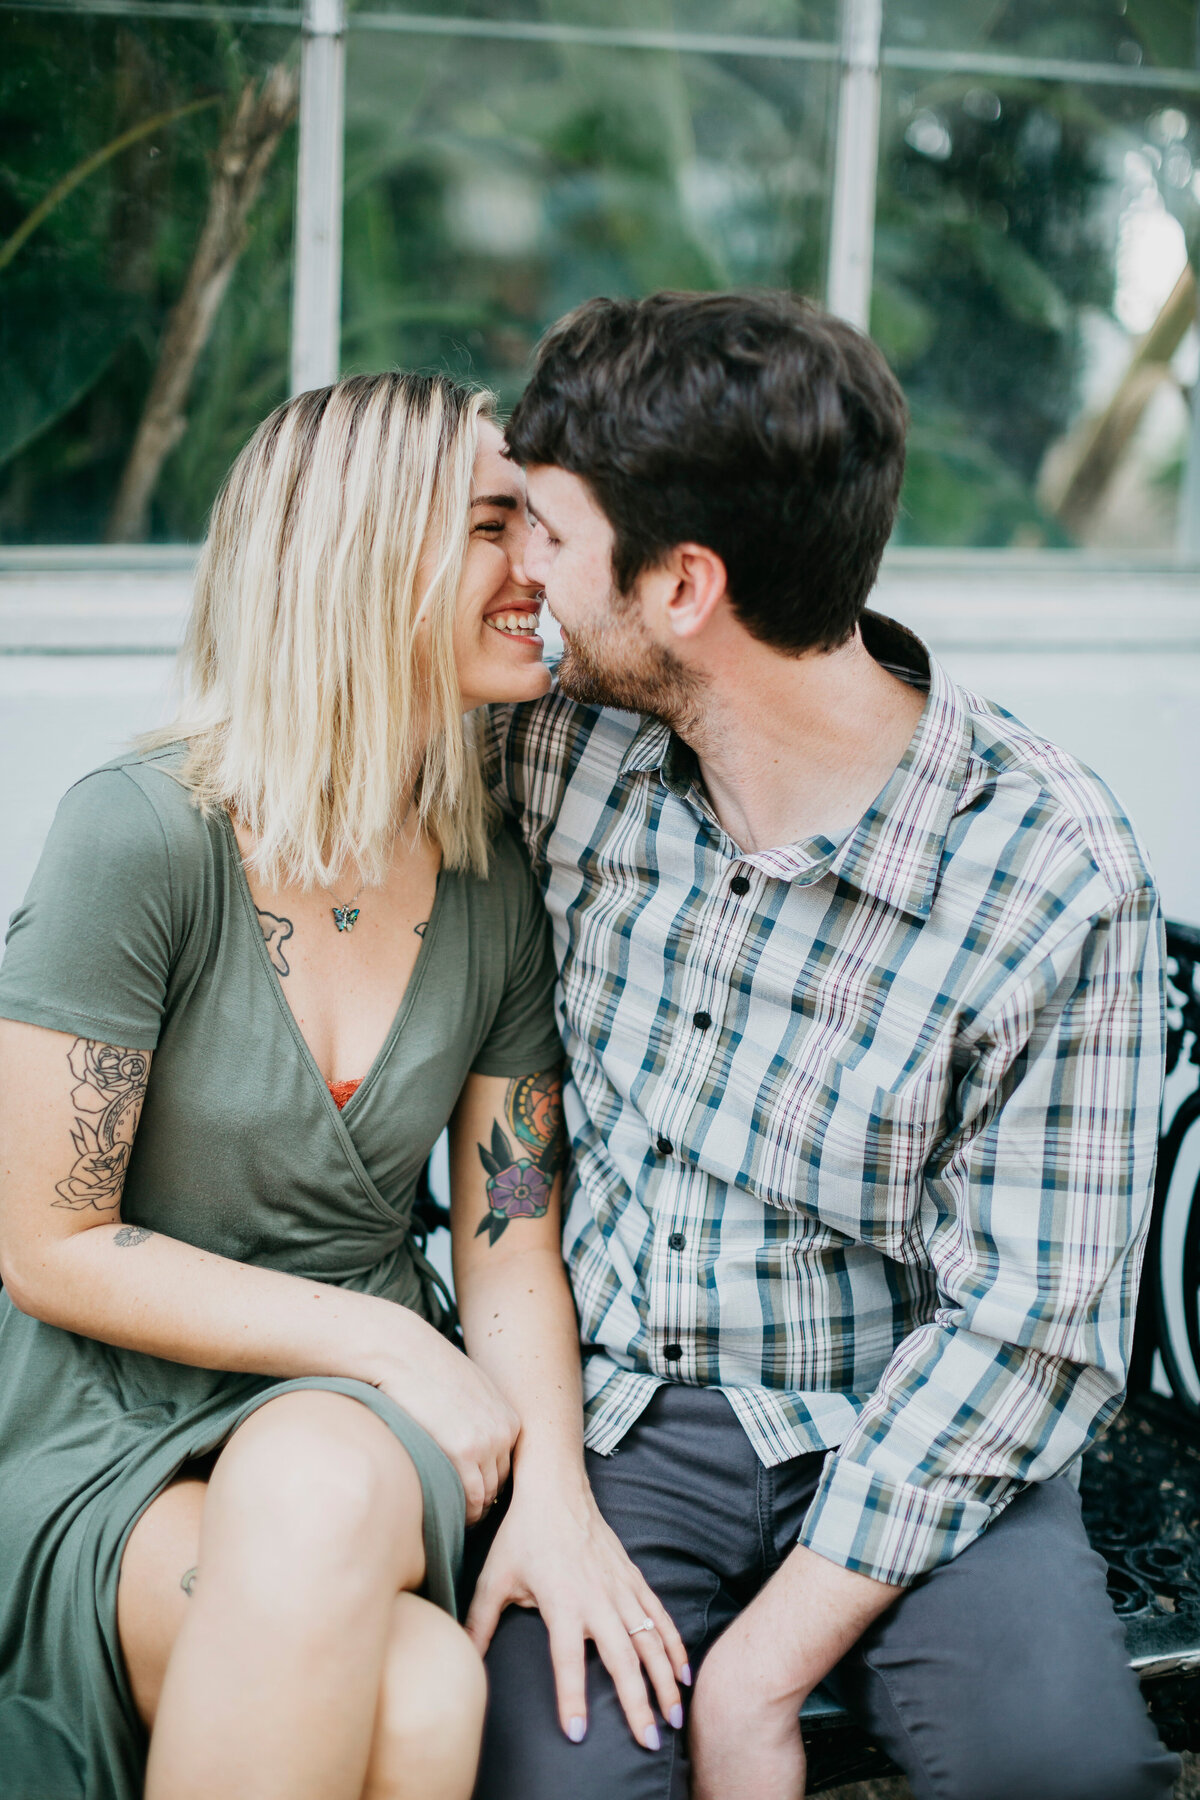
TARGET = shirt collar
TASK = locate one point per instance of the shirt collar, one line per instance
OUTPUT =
(894, 853)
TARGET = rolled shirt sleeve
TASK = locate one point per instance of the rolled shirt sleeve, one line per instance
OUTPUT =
(1034, 1217)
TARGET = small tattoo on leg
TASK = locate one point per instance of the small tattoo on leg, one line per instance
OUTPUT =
(187, 1581)
(131, 1235)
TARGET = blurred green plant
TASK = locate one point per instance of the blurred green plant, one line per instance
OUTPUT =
(106, 143)
(491, 185)
(998, 240)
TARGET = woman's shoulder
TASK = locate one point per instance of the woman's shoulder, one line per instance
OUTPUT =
(136, 805)
(510, 880)
(117, 894)
(504, 907)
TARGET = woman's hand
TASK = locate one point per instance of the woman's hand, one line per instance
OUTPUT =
(457, 1404)
(553, 1551)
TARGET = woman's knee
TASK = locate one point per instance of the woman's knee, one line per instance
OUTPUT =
(315, 1482)
(432, 1700)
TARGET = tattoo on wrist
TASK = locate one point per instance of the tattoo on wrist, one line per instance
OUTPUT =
(107, 1098)
(130, 1236)
(420, 929)
(520, 1178)
(276, 931)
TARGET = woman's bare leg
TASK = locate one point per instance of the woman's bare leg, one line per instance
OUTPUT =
(432, 1694)
(429, 1724)
(158, 1576)
(283, 1675)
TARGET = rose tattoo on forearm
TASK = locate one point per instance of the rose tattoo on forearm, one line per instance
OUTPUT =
(111, 1085)
(521, 1170)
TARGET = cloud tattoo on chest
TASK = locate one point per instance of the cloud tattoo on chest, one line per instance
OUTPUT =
(276, 932)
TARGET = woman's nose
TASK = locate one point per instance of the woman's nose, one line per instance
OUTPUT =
(522, 561)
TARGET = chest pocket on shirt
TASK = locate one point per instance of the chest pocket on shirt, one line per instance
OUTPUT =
(846, 1152)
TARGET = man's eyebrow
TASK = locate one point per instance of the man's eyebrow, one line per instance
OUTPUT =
(509, 502)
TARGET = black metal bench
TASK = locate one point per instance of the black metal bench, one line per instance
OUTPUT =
(1141, 1479)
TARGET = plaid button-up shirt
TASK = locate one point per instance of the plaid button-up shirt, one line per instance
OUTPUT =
(863, 1132)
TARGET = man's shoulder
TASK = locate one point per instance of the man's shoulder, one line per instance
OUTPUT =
(1060, 820)
(539, 746)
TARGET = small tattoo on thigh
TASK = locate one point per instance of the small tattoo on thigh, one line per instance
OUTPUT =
(187, 1581)
(130, 1235)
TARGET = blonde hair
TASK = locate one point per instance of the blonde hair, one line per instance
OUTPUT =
(310, 709)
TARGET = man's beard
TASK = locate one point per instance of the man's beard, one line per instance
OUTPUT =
(610, 668)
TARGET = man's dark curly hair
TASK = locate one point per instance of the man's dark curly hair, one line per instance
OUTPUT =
(753, 423)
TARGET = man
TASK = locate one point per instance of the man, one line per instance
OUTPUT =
(860, 991)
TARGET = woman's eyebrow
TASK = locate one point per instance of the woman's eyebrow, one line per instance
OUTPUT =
(508, 501)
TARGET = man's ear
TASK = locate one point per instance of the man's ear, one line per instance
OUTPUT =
(687, 587)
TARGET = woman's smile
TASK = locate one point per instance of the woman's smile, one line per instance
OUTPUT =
(519, 623)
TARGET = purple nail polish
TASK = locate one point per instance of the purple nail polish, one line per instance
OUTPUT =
(651, 1739)
(576, 1730)
(676, 1716)
(685, 1674)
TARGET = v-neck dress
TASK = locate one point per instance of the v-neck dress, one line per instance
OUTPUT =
(139, 930)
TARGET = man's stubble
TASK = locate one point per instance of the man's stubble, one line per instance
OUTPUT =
(620, 665)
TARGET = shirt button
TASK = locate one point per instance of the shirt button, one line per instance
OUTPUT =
(673, 1352)
(677, 1241)
(740, 885)
(663, 1145)
(702, 1020)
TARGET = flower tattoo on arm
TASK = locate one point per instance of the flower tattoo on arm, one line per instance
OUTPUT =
(521, 1168)
(110, 1087)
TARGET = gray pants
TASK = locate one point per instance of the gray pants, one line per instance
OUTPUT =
(1000, 1676)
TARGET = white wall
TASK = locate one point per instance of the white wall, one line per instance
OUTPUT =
(1104, 659)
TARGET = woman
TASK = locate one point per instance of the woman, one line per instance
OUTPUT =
(262, 963)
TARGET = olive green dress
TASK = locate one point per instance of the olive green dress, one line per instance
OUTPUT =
(139, 930)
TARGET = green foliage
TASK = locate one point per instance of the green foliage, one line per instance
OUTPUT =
(998, 225)
(490, 185)
(84, 301)
(1161, 32)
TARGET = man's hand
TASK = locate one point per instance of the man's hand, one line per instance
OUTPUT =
(744, 1730)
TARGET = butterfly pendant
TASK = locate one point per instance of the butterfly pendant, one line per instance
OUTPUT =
(344, 917)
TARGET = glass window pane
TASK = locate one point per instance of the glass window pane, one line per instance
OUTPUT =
(492, 185)
(775, 18)
(109, 179)
(1030, 236)
(1129, 33)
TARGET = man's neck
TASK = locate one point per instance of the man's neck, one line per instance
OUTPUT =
(795, 747)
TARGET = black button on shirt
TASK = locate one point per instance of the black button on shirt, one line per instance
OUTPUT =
(677, 1241)
(672, 1352)
(740, 885)
(702, 1020)
(663, 1145)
